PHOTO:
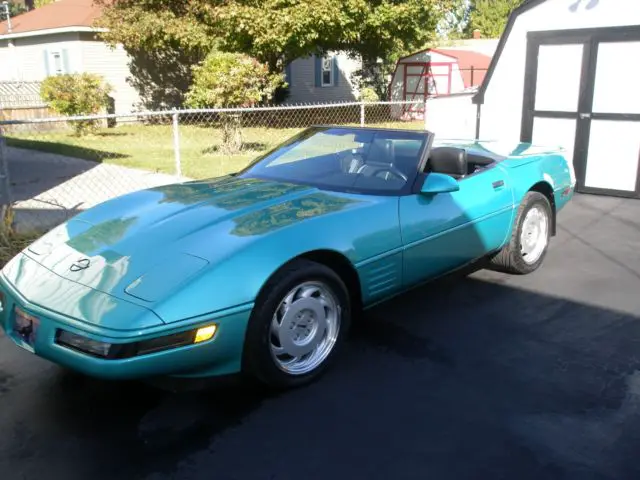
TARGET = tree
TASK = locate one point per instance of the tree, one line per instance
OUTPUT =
(490, 16)
(229, 80)
(453, 25)
(275, 32)
(18, 8)
(15, 9)
(76, 94)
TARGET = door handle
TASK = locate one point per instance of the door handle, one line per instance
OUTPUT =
(497, 184)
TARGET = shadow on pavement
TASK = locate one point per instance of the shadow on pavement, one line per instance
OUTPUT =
(515, 383)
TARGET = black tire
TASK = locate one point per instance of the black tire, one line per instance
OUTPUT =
(510, 259)
(258, 361)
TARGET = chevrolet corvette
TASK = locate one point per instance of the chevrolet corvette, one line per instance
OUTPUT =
(261, 272)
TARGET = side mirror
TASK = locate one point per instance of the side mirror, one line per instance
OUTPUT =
(439, 183)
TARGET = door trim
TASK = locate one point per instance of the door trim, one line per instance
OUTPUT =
(590, 38)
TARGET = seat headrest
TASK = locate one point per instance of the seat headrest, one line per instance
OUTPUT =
(448, 160)
(382, 151)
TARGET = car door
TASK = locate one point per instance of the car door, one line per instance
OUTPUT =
(444, 231)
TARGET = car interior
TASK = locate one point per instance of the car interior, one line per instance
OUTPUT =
(385, 159)
(456, 162)
(380, 163)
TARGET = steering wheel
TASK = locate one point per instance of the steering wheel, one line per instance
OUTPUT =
(389, 169)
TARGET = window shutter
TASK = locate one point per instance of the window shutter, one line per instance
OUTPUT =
(47, 71)
(336, 71)
(287, 74)
(65, 60)
(318, 70)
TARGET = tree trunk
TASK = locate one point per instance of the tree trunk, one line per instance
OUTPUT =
(231, 132)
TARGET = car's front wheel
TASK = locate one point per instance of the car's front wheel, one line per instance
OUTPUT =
(298, 325)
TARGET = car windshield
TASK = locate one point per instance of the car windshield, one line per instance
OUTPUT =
(348, 159)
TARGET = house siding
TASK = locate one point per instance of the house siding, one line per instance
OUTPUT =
(302, 82)
(25, 60)
(112, 64)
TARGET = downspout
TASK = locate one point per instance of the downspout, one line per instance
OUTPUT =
(478, 115)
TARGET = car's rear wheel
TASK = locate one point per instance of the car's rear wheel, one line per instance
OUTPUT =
(530, 238)
(297, 326)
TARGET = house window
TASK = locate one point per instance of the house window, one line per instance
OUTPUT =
(57, 63)
(327, 71)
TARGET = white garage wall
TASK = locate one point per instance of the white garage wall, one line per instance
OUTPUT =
(502, 108)
(452, 117)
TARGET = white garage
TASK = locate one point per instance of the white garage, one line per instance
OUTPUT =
(567, 72)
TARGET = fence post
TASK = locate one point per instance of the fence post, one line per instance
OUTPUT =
(424, 113)
(362, 114)
(176, 143)
(5, 184)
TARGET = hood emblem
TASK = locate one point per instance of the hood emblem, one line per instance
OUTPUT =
(81, 264)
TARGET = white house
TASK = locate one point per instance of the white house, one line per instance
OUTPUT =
(60, 38)
(566, 73)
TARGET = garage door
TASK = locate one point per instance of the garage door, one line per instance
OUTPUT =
(581, 91)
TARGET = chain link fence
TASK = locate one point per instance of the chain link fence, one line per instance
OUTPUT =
(49, 171)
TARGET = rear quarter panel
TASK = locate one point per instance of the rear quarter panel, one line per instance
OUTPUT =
(549, 166)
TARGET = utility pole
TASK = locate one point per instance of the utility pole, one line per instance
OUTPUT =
(7, 13)
(5, 183)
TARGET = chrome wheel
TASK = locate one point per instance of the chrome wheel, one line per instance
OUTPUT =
(304, 328)
(535, 234)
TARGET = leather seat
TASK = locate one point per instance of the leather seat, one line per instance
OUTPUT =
(448, 160)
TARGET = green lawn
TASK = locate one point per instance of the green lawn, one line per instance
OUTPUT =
(151, 146)
(11, 244)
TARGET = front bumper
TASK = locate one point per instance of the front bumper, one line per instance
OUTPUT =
(220, 355)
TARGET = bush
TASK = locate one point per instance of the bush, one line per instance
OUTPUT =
(231, 80)
(76, 94)
(368, 94)
(226, 80)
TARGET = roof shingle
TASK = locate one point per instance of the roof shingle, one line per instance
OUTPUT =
(59, 14)
(468, 59)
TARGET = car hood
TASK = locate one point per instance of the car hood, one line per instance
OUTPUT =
(146, 244)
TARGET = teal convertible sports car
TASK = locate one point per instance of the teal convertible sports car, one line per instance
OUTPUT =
(261, 271)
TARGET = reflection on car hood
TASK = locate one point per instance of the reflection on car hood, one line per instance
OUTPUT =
(172, 232)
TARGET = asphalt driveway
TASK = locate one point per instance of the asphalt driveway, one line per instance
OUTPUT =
(489, 376)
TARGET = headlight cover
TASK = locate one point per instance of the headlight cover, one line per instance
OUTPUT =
(83, 344)
(119, 351)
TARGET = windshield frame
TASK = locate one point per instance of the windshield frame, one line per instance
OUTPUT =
(413, 180)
